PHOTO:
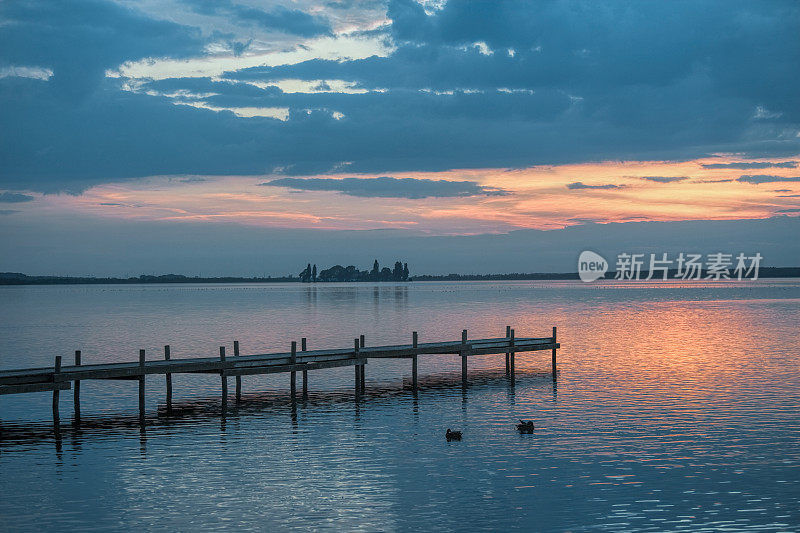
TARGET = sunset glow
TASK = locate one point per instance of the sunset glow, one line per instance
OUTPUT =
(536, 197)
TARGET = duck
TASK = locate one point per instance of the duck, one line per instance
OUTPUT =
(452, 435)
(525, 426)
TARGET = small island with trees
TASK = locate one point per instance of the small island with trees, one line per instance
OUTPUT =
(351, 273)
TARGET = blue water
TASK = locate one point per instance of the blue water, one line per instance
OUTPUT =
(677, 407)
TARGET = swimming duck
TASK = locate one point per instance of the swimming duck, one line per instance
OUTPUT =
(525, 426)
(452, 435)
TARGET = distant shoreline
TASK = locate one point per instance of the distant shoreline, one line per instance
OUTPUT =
(13, 278)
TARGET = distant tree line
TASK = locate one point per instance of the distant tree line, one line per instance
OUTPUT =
(351, 273)
(17, 278)
(336, 273)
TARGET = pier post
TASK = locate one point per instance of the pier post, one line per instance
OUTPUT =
(224, 379)
(553, 362)
(56, 379)
(363, 367)
(293, 384)
(168, 380)
(305, 372)
(76, 396)
(464, 358)
(513, 354)
(238, 378)
(414, 343)
(356, 346)
(141, 386)
(508, 353)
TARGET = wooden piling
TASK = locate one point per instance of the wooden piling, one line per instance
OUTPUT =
(553, 362)
(141, 385)
(414, 343)
(293, 384)
(168, 380)
(464, 358)
(356, 346)
(363, 367)
(305, 372)
(512, 354)
(508, 354)
(76, 396)
(56, 377)
(224, 379)
(238, 378)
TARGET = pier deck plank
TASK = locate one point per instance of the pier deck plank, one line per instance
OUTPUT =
(46, 379)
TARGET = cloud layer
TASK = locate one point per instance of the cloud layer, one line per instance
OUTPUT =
(755, 179)
(665, 179)
(14, 197)
(463, 86)
(743, 165)
(386, 187)
(580, 185)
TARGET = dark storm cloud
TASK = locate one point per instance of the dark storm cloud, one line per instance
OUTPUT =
(279, 18)
(386, 187)
(664, 179)
(764, 178)
(749, 166)
(561, 82)
(579, 185)
(80, 39)
(14, 197)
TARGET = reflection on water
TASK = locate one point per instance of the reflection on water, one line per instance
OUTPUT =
(676, 408)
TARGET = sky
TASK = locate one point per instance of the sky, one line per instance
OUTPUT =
(223, 137)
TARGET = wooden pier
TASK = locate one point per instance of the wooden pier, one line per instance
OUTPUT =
(62, 377)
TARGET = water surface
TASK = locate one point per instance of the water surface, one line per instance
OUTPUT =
(677, 407)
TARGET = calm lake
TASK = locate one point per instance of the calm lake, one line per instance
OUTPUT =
(677, 407)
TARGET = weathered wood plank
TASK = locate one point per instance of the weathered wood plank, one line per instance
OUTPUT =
(274, 369)
(56, 371)
(508, 354)
(134, 370)
(553, 362)
(141, 385)
(274, 362)
(35, 387)
(465, 351)
(303, 348)
(414, 343)
(202, 364)
(293, 373)
(168, 380)
(238, 378)
(223, 379)
(76, 396)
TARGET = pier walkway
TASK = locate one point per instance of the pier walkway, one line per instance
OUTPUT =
(64, 377)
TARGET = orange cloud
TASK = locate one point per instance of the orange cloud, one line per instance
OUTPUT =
(538, 197)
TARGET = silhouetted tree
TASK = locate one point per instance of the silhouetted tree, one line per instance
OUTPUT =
(397, 273)
(351, 273)
(374, 275)
(305, 275)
